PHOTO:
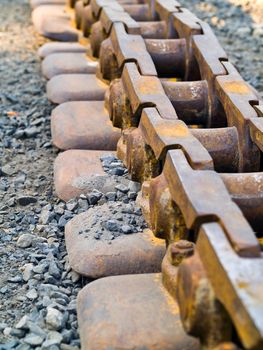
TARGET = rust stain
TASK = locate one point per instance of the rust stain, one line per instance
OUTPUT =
(176, 131)
(149, 236)
(152, 87)
(236, 87)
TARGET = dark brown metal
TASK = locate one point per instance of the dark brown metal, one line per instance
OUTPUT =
(236, 281)
(190, 100)
(164, 53)
(247, 192)
(201, 314)
(202, 197)
(140, 92)
(236, 97)
(223, 146)
(129, 48)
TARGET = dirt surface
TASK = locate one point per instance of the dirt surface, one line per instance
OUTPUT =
(35, 278)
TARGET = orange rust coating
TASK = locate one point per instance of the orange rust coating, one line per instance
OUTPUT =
(247, 192)
(202, 197)
(163, 134)
(237, 283)
(201, 314)
(236, 97)
(139, 12)
(139, 315)
(189, 99)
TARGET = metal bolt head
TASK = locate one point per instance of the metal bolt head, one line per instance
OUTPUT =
(181, 250)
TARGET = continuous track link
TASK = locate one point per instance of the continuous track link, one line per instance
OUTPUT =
(192, 135)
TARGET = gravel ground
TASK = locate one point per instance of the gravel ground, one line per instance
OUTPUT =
(238, 24)
(37, 288)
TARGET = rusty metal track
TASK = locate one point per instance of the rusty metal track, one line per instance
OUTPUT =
(192, 134)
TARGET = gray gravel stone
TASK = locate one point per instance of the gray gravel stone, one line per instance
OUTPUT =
(28, 272)
(32, 294)
(33, 339)
(54, 318)
(111, 196)
(25, 240)
(126, 229)
(23, 323)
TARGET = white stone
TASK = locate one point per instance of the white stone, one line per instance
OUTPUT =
(28, 272)
(32, 294)
(25, 240)
(23, 323)
(54, 318)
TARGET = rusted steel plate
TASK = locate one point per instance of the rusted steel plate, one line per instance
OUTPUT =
(75, 87)
(200, 311)
(222, 144)
(77, 172)
(153, 30)
(128, 254)
(71, 3)
(54, 22)
(87, 20)
(98, 5)
(129, 47)
(246, 189)
(125, 320)
(59, 28)
(162, 135)
(109, 68)
(256, 131)
(258, 108)
(235, 96)
(202, 197)
(60, 47)
(256, 126)
(237, 282)
(109, 16)
(139, 12)
(210, 66)
(83, 125)
(190, 100)
(168, 56)
(145, 91)
(163, 10)
(185, 23)
(210, 61)
(165, 219)
(164, 54)
(67, 63)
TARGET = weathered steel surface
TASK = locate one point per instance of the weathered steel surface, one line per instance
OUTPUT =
(83, 125)
(196, 191)
(75, 87)
(139, 314)
(78, 171)
(237, 283)
(236, 95)
(128, 254)
(67, 63)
